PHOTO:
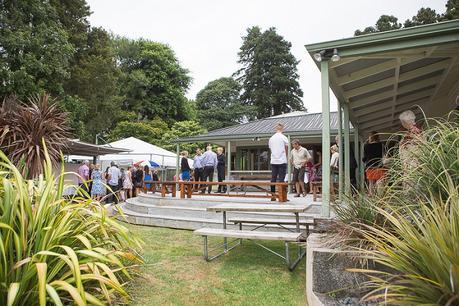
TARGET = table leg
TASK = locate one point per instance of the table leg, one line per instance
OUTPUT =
(297, 219)
(225, 240)
(174, 190)
(182, 190)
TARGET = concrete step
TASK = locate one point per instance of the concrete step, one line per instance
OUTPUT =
(184, 222)
(199, 212)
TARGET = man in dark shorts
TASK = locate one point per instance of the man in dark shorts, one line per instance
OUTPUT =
(300, 157)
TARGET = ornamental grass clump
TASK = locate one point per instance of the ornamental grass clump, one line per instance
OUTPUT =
(410, 227)
(55, 250)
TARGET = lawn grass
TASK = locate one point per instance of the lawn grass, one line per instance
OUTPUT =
(176, 274)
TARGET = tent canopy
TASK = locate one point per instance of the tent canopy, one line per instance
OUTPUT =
(140, 151)
(77, 147)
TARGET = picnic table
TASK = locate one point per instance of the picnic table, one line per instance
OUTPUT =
(186, 189)
(253, 234)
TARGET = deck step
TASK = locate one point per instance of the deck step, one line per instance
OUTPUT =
(284, 236)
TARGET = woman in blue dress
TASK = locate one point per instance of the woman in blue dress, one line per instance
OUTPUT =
(146, 177)
(98, 190)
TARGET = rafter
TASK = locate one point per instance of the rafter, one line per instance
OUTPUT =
(425, 94)
(402, 90)
(375, 69)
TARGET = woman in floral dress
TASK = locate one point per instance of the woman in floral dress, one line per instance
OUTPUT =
(98, 189)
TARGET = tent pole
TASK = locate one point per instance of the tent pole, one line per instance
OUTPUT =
(177, 164)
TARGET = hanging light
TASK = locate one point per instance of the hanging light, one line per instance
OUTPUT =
(319, 56)
(335, 57)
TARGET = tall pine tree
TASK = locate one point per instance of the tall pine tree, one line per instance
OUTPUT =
(269, 75)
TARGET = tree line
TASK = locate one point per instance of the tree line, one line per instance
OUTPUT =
(425, 15)
(117, 87)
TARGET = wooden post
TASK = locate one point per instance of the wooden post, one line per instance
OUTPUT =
(347, 159)
(325, 139)
(182, 190)
(341, 153)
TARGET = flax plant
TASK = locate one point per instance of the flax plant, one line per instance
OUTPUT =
(55, 250)
(410, 227)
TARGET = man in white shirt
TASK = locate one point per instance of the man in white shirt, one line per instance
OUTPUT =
(278, 144)
(114, 175)
(300, 157)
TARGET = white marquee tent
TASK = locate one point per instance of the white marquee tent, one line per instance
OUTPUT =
(140, 151)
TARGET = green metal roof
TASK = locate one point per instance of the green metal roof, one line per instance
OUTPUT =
(298, 124)
(383, 74)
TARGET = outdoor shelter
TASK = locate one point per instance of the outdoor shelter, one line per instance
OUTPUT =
(77, 147)
(377, 76)
(140, 150)
(246, 144)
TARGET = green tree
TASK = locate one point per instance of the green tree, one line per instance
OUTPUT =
(34, 49)
(154, 83)
(94, 80)
(424, 16)
(384, 23)
(183, 129)
(452, 10)
(73, 16)
(268, 75)
(219, 105)
(150, 131)
(77, 112)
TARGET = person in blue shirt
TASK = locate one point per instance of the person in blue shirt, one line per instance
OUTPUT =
(198, 168)
(209, 162)
(185, 167)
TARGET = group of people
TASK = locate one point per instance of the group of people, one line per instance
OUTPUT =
(204, 166)
(305, 168)
(114, 183)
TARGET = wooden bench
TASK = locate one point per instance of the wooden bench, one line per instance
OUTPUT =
(164, 187)
(308, 223)
(186, 189)
(255, 235)
(252, 235)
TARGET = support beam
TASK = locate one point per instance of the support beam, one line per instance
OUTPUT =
(362, 167)
(228, 160)
(289, 166)
(347, 165)
(325, 139)
(357, 156)
(341, 153)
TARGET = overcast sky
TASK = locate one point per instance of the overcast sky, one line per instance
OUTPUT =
(206, 34)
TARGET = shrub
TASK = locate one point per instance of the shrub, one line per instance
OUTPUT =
(23, 127)
(57, 250)
(411, 226)
(422, 246)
